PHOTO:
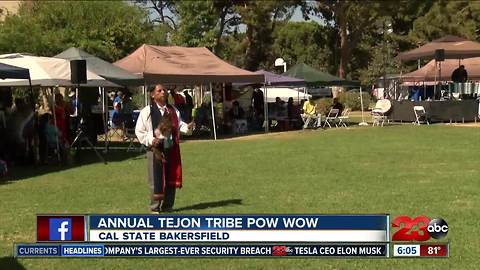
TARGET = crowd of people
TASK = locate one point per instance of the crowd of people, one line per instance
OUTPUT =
(52, 123)
(42, 128)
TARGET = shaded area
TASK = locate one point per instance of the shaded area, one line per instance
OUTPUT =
(206, 205)
(81, 158)
(10, 263)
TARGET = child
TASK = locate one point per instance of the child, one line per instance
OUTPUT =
(52, 133)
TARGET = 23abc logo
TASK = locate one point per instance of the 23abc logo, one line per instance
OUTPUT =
(425, 228)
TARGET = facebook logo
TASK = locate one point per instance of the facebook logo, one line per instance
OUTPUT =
(61, 229)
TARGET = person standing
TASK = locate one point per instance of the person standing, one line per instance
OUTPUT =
(165, 176)
(188, 106)
(460, 75)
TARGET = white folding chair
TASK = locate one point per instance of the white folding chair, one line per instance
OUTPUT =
(331, 118)
(311, 120)
(378, 117)
(344, 117)
(420, 115)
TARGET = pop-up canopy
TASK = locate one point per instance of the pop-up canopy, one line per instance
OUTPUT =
(102, 67)
(159, 64)
(12, 72)
(317, 77)
(429, 71)
(454, 48)
(47, 71)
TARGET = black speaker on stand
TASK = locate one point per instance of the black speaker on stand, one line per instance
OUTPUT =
(78, 75)
(78, 71)
(440, 55)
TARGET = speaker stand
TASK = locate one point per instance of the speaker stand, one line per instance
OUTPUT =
(81, 138)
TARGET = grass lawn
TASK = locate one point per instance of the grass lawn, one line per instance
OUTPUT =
(402, 170)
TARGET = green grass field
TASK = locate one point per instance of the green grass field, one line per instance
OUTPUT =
(402, 170)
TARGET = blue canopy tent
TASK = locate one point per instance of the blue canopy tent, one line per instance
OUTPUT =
(13, 72)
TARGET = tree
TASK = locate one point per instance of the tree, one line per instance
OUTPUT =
(352, 19)
(165, 10)
(211, 22)
(303, 42)
(109, 30)
(447, 17)
(203, 23)
(260, 19)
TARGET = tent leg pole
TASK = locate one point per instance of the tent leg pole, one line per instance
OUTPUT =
(35, 146)
(55, 122)
(213, 113)
(144, 88)
(104, 118)
(265, 105)
(363, 123)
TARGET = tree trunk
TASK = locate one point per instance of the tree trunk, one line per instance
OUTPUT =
(344, 46)
(251, 55)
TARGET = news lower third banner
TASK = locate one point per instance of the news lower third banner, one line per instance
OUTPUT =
(209, 236)
(239, 228)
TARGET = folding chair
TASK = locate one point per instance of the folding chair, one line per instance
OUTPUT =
(240, 126)
(131, 137)
(344, 117)
(114, 128)
(311, 120)
(378, 117)
(331, 118)
(420, 115)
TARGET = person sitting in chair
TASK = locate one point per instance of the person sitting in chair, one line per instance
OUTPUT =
(337, 105)
(237, 116)
(117, 118)
(236, 112)
(309, 112)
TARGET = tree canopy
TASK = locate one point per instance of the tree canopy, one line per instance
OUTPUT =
(109, 30)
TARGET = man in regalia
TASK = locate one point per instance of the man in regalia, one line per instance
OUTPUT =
(158, 128)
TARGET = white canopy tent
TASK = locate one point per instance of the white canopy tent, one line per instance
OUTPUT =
(284, 93)
(47, 71)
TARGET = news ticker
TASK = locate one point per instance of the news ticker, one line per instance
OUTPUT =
(367, 250)
(201, 250)
(227, 236)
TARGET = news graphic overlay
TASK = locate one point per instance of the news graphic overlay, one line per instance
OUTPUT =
(313, 236)
(61, 228)
(238, 228)
(417, 231)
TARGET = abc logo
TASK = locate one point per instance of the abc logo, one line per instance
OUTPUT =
(437, 228)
